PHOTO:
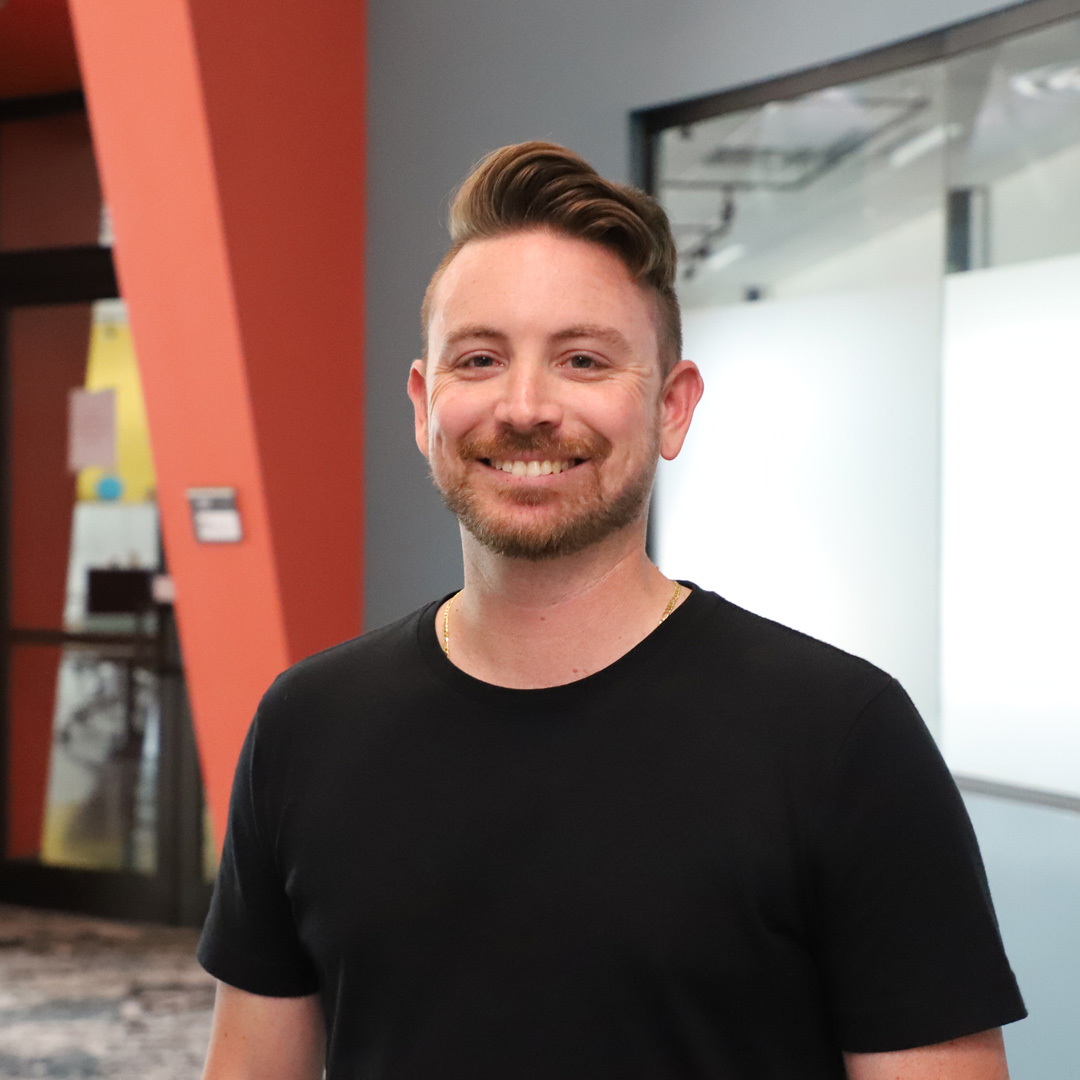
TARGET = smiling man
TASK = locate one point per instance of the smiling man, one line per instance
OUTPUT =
(578, 820)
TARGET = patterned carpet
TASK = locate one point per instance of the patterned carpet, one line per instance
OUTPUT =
(89, 998)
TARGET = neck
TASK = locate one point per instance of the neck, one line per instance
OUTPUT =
(531, 624)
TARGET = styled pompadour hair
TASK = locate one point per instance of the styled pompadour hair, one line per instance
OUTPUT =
(540, 185)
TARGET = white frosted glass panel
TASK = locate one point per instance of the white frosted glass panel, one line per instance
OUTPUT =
(808, 487)
(107, 534)
(1011, 524)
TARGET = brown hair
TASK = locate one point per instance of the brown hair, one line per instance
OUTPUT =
(538, 185)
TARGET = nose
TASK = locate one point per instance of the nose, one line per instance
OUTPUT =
(528, 398)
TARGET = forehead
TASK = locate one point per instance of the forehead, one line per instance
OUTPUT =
(540, 281)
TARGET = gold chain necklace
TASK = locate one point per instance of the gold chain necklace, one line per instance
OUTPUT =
(450, 603)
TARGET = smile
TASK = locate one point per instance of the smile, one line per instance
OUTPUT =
(531, 468)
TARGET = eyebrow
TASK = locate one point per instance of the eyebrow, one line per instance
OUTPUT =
(606, 334)
(475, 331)
(478, 331)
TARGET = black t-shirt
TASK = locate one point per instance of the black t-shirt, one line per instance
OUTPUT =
(731, 854)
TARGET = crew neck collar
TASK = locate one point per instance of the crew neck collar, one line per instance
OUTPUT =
(631, 665)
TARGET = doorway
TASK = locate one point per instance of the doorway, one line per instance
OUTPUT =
(101, 809)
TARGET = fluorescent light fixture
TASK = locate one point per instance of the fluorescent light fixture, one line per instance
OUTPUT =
(722, 258)
(1047, 81)
(922, 144)
(1067, 80)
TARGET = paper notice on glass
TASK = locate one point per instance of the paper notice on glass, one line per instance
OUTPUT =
(91, 429)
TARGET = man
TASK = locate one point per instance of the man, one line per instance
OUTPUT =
(578, 820)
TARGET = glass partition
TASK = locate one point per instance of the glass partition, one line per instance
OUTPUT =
(83, 706)
(879, 279)
(812, 239)
(101, 805)
(1011, 439)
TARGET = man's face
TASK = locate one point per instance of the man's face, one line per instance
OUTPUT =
(539, 407)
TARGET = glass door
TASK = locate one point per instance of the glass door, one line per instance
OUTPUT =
(100, 797)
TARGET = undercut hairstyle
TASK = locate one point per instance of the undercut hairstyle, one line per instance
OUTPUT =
(540, 185)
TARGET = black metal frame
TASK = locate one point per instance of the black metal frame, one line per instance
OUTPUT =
(176, 893)
(5, 569)
(68, 275)
(982, 32)
(39, 105)
(977, 785)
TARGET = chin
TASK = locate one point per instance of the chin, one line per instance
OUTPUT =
(515, 536)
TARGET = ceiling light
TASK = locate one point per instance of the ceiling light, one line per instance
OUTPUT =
(924, 143)
(723, 257)
(1048, 81)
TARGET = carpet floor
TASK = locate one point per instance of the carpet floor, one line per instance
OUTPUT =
(86, 997)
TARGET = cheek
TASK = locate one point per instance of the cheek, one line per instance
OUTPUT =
(452, 415)
(627, 420)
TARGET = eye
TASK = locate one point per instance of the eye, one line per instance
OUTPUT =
(583, 362)
(480, 360)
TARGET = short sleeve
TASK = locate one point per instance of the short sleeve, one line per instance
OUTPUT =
(909, 943)
(250, 939)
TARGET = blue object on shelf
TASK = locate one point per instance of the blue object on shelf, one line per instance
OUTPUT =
(110, 488)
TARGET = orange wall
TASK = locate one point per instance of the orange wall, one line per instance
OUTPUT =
(230, 141)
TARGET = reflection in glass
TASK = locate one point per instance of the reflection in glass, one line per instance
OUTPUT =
(880, 282)
(810, 195)
(1018, 106)
(115, 518)
(102, 786)
(811, 240)
(83, 695)
(102, 779)
(1011, 441)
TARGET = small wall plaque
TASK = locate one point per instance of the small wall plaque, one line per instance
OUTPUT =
(214, 515)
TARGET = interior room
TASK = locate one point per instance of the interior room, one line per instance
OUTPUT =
(217, 223)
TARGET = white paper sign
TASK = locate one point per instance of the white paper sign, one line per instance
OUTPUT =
(214, 515)
(91, 429)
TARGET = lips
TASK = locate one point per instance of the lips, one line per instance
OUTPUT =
(534, 454)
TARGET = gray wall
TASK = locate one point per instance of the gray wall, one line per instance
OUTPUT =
(1030, 855)
(449, 81)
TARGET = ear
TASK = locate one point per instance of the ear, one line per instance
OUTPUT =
(417, 390)
(678, 399)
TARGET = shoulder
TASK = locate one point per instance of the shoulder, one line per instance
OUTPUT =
(344, 681)
(774, 662)
(797, 702)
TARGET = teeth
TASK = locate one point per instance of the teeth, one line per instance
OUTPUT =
(531, 468)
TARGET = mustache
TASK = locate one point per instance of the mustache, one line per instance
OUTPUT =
(553, 448)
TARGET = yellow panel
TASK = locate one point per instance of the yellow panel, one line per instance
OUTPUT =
(111, 363)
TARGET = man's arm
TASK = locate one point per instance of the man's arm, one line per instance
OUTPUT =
(265, 1038)
(974, 1057)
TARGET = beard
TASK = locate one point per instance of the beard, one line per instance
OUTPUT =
(584, 517)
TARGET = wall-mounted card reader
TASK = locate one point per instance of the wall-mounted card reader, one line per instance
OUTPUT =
(214, 515)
